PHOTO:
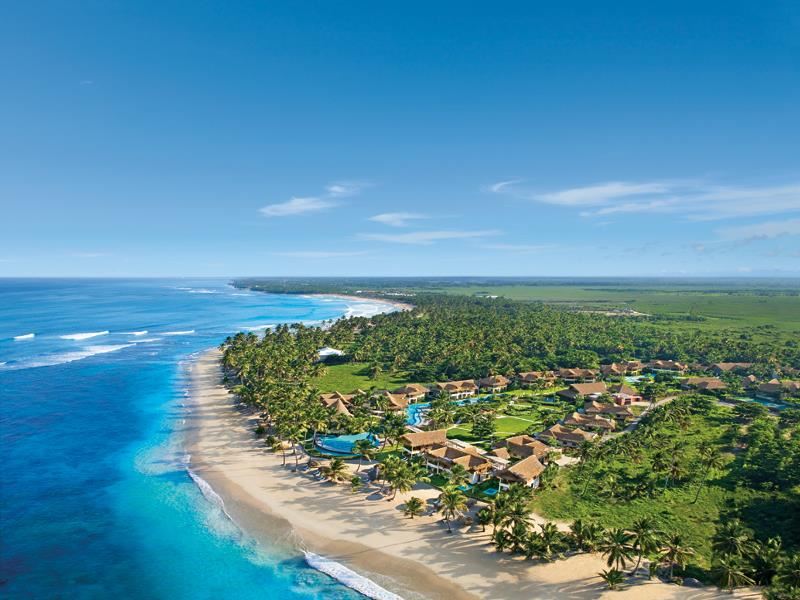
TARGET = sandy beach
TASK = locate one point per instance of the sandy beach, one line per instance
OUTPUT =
(368, 299)
(413, 558)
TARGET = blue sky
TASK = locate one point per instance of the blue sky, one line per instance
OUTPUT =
(366, 138)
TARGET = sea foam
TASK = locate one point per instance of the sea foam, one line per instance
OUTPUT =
(137, 333)
(83, 336)
(50, 360)
(349, 578)
(187, 332)
(27, 336)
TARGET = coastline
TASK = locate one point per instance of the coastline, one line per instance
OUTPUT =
(413, 558)
(398, 305)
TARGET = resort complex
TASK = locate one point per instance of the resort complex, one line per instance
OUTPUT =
(559, 440)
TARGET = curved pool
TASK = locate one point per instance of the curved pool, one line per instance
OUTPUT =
(342, 445)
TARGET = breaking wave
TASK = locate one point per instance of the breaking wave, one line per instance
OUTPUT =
(27, 336)
(348, 577)
(187, 332)
(137, 333)
(50, 360)
(83, 336)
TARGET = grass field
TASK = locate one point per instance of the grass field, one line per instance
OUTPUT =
(722, 308)
(352, 376)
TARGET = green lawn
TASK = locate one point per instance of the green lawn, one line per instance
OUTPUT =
(352, 376)
(674, 509)
(723, 306)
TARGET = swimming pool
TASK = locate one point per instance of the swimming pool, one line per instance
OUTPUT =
(342, 445)
(415, 413)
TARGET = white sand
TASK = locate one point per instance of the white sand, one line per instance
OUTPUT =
(414, 558)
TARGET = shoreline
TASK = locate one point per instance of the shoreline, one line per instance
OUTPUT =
(413, 558)
(400, 306)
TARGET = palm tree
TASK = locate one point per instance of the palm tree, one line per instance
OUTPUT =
(550, 540)
(613, 578)
(458, 476)
(401, 480)
(645, 539)
(484, 517)
(731, 539)
(789, 574)
(334, 471)
(766, 560)
(452, 503)
(356, 483)
(617, 546)
(579, 532)
(711, 460)
(413, 507)
(365, 450)
(674, 552)
(730, 573)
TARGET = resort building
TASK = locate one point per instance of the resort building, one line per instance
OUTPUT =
(624, 395)
(525, 472)
(523, 446)
(729, 367)
(440, 459)
(585, 421)
(536, 378)
(575, 375)
(610, 410)
(415, 442)
(330, 398)
(778, 389)
(613, 370)
(749, 382)
(340, 407)
(413, 392)
(458, 390)
(667, 365)
(493, 384)
(395, 402)
(571, 438)
(583, 390)
(704, 384)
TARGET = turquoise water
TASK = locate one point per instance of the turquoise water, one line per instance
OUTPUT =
(415, 413)
(95, 500)
(342, 445)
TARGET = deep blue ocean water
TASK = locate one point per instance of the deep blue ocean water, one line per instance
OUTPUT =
(95, 500)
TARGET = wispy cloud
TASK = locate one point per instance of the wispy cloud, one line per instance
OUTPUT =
(312, 204)
(397, 219)
(694, 200)
(426, 238)
(761, 231)
(296, 206)
(602, 193)
(317, 254)
(503, 186)
(339, 189)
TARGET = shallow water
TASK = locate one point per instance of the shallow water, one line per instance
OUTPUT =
(96, 500)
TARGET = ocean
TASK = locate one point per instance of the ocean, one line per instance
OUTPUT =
(95, 497)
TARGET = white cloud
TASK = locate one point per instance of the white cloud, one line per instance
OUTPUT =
(693, 200)
(339, 189)
(296, 206)
(503, 186)
(761, 231)
(426, 238)
(397, 219)
(312, 204)
(601, 193)
(315, 254)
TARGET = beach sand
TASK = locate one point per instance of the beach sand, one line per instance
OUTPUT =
(413, 558)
